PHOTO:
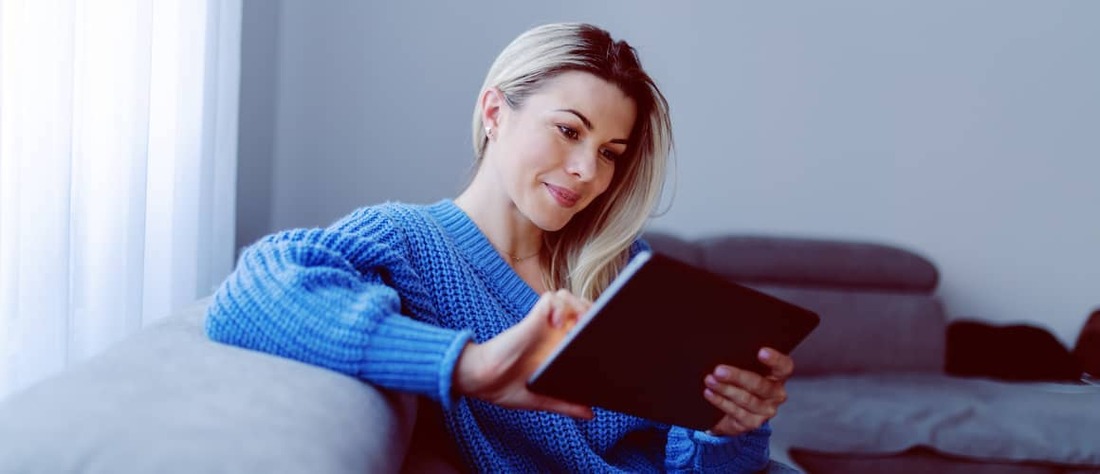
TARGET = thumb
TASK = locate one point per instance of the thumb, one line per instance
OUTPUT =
(568, 309)
(543, 402)
(555, 307)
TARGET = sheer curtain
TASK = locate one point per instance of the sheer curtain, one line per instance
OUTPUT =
(118, 140)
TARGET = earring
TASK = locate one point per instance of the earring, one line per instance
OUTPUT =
(489, 132)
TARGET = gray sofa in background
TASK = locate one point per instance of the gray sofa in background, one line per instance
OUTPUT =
(869, 393)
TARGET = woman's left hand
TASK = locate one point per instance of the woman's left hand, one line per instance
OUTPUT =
(747, 398)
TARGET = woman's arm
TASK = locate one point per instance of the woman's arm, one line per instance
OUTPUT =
(326, 297)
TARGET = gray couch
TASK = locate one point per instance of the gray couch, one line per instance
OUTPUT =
(869, 393)
(168, 400)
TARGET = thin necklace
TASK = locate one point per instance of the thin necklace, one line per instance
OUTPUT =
(516, 259)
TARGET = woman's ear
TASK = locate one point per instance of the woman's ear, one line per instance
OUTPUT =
(492, 107)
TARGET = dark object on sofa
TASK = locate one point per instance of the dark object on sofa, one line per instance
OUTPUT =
(918, 460)
(981, 349)
(1087, 347)
(870, 393)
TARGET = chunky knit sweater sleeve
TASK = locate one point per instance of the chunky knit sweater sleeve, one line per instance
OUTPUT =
(688, 450)
(327, 297)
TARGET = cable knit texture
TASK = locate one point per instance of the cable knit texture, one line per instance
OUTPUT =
(392, 293)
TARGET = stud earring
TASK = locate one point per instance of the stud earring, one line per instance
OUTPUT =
(489, 132)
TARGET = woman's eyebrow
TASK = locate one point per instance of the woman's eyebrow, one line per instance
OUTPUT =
(588, 124)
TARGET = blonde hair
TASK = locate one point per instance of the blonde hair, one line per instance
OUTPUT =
(590, 251)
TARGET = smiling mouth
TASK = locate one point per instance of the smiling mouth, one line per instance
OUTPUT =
(564, 196)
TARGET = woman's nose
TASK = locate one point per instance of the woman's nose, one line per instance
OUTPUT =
(582, 164)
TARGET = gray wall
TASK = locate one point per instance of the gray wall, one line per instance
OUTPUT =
(964, 130)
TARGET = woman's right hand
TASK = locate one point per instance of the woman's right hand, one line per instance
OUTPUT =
(497, 370)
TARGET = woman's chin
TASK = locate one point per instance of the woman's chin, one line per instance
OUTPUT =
(552, 223)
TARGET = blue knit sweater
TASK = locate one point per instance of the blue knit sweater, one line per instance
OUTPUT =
(392, 293)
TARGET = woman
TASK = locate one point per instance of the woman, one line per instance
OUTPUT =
(460, 300)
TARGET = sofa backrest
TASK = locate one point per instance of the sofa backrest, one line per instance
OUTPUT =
(877, 302)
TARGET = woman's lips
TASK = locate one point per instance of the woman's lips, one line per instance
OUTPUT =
(564, 196)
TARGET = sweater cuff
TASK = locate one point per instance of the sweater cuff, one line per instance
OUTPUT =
(700, 445)
(413, 356)
(690, 450)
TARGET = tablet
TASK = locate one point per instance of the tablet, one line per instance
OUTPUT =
(662, 325)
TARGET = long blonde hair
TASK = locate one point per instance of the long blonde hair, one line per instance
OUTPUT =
(590, 251)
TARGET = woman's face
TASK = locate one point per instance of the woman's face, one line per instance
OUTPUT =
(557, 151)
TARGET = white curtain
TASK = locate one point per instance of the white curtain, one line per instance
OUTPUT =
(118, 141)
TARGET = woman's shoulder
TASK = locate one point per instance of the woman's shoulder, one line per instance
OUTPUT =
(385, 216)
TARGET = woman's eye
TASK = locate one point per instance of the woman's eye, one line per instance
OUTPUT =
(568, 132)
(609, 155)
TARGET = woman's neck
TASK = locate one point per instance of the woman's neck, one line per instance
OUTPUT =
(516, 238)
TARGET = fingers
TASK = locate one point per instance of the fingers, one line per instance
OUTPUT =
(747, 398)
(781, 365)
(565, 307)
(751, 382)
(737, 419)
(744, 400)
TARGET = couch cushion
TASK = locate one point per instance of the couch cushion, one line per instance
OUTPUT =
(962, 417)
(818, 263)
(169, 400)
(863, 331)
(675, 246)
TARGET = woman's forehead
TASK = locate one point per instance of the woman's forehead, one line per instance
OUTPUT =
(597, 100)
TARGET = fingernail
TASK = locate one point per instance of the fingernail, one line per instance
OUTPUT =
(765, 354)
(722, 372)
(711, 381)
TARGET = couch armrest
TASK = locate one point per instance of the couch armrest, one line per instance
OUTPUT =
(170, 400)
